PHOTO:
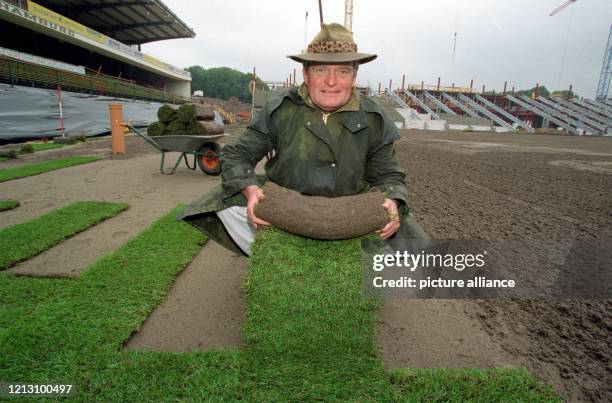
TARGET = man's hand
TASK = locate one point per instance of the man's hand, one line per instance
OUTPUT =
(392, 226)
(254, 195)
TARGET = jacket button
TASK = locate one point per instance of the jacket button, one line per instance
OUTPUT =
(333, 165)
(307, 123)
(358, 125)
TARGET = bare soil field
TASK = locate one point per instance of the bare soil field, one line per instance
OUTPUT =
(503, 186)
(462, 186)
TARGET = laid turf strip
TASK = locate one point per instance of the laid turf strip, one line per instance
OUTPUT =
(8, 204)
(42, 167)
(308, 332)
(75, 336)
(46, 146)
(35, 236)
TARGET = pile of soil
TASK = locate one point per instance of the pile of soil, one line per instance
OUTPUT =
(479, 186)
(232, 105)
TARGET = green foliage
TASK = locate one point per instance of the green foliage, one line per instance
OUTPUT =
(35, 236)
(221, 82)
(35, 169)
(542, 92)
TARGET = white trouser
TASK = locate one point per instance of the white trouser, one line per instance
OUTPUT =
(238, 225)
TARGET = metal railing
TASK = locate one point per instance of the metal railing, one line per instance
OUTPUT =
(18, 72)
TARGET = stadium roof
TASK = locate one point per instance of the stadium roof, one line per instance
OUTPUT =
(130, 21)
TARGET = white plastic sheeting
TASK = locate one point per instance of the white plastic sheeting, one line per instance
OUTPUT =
(28, 113)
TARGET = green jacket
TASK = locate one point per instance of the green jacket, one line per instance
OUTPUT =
(350, 154)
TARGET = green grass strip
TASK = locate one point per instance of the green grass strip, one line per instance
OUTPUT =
(476, 385)
(76, 335)
(19, 296)
(35, 236)
(42, 167)
(46, 146)
(310, 334)
(8, 204)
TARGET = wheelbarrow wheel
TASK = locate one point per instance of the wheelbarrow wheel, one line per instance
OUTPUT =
(209, 160)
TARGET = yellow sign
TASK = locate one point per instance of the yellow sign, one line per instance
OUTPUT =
(62, 21)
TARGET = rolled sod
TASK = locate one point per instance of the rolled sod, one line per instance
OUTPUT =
(204, 112)
(35, 236)
(156, 129)
(322, 217)
(8, 204)
(186, 113)
(42, 167)
(210, 128)
(166, 114)
(176, 127)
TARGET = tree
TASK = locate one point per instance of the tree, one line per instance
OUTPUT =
(221, 82)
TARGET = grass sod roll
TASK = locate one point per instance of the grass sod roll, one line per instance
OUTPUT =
(8, 204)
(176, 127)
(186, 113)
(194, 128)
(42, 167)
(165, 114)
(35, 236)
(156, 129)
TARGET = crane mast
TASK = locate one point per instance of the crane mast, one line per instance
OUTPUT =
(348, 14)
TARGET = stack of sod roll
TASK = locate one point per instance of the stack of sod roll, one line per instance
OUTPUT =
(188, 119)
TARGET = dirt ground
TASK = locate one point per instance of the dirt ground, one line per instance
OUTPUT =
(462, 186)
(502, 186)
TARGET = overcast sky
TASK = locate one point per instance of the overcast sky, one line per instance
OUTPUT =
(497, 40)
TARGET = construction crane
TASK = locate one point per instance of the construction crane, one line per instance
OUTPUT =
(348, 14)
(561, 7)
(606, 71)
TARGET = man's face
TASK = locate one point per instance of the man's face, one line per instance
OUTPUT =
(330, 85)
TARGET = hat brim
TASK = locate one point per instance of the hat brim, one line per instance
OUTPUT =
(333, 57)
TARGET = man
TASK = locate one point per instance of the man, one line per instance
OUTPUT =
(321, 139)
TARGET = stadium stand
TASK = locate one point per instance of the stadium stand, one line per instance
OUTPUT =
(86, 47)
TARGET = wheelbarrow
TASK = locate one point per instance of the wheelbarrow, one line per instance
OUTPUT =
(205, 150)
